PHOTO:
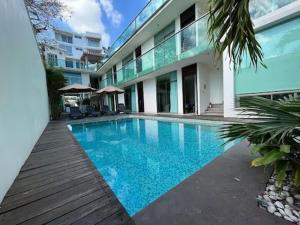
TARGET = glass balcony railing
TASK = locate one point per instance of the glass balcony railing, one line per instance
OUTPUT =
(107, 82)
(189, 42)
(260, 8)
(147, 12)
(62, 63)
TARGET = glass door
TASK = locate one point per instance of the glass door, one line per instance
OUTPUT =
(189, 88)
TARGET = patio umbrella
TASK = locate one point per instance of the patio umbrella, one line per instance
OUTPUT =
(111, 90)
(76, 88)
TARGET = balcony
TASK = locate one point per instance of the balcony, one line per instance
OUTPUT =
(107, 82)
(189, 42)
(73, 64)
(148, 11)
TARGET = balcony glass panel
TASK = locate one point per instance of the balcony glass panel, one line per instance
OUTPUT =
(138, 22)
(281, 48)
(189, 42)
(62, 63)
(260, 8)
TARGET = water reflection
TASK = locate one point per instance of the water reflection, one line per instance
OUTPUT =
(142, 159)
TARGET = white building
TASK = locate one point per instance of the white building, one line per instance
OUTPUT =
(165, 63)
(76, 54)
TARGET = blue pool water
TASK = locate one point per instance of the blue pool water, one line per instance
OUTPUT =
(142, 159)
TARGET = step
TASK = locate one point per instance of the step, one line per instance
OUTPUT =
(212, 114)
(214, 110)
(217, 105)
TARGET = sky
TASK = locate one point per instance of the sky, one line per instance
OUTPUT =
(107, 17)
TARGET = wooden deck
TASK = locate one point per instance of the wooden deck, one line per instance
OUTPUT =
(59, 185)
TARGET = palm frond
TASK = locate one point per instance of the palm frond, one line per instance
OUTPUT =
(230, 26)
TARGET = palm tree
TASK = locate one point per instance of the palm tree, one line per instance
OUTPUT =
(230, 27)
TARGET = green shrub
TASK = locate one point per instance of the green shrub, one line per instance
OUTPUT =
(55, 81)
(274, 134)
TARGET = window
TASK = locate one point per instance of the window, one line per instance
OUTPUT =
(73, 78)
(69, 63)
(79, 49)
(115, 74)
(188, 35)
(67, 39)
(77, 64)
(57, 36)
(166, 92)
(78, 37)
(68, 49)
(92, 42)
(52, 59)
(187, 17)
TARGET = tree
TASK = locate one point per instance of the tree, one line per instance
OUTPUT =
(43, 12)
(230, 27)
(55, 81)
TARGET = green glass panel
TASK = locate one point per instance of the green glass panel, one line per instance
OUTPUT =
(165, 51)
(109, 77)
(260, 8)
(281, 48)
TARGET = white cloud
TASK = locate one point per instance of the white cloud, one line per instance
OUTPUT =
(110, 12)
(86, 15)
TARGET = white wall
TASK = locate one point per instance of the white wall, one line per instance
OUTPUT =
(228, 87)
(150, 96)
(179, 91)
(23, 92)
(121, 98)
(204, 87)
(216, 85)
(147, 45)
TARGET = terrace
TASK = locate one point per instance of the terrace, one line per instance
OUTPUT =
(75, 193)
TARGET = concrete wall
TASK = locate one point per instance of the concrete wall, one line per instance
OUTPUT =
(228, 87)
(216, 85)
(203, 87)
(150, 96)
(23, 92)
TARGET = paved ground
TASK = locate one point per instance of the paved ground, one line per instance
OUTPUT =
(59, 185)
(213, 197)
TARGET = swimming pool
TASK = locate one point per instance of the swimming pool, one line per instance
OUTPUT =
(141, 159)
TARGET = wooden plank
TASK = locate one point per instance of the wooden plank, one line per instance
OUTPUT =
(58, 184)
(62, 211)
(44, 205)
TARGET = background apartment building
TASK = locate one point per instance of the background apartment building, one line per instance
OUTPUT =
(76, 54)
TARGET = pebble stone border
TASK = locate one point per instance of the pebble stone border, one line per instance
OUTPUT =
(282, 201)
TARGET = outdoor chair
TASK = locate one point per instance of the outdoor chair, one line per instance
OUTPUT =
(90, 111)
(122, 109)
(106, 111)
(75, 113)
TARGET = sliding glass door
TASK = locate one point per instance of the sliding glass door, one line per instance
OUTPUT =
(166, 88)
